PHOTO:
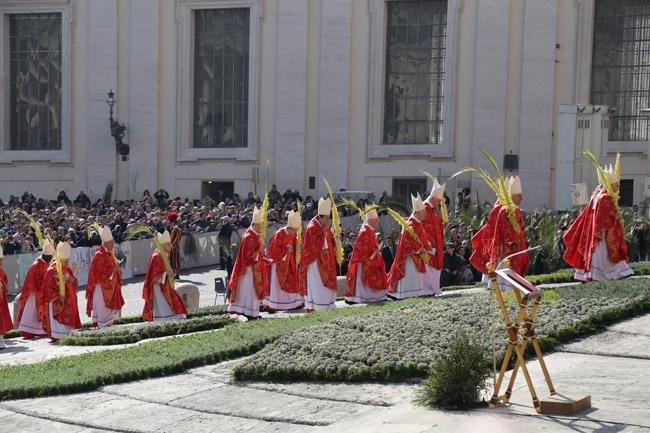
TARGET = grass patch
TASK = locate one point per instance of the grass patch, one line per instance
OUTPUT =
(390, 342)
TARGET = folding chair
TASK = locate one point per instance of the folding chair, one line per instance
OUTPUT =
(220, 288)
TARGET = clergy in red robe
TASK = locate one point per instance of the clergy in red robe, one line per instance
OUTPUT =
(104, 299)
(161, 302)
(434, 227)
(29, 321)
(406, 277)
(284, 291)
(366, 280)
(500, 237)
(317, 262)
(6, 324)
(595, 241)
(59, 310)
(248, 281)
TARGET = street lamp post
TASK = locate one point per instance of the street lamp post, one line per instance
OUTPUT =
(117, 128)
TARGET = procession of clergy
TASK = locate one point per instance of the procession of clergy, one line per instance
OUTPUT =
(299, 264)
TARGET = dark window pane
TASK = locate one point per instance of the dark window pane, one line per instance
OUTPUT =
(35, 81)
(620, 75)
(415, 58)
(221, 77)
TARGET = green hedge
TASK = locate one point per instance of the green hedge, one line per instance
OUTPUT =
(401, 344)
(421, 325)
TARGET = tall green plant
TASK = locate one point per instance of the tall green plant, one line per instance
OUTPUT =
(458, 377)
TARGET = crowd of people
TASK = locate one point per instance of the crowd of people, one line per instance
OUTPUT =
(295, 263)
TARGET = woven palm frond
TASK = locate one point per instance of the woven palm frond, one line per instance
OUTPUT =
(265, 207)
(336, 224)
(35, 226)
(299, 233)
(405, 225)
(143, 229)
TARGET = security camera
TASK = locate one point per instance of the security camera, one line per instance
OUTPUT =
(611, 110)
(581, 109)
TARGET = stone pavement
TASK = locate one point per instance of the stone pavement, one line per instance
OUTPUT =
(612, 367)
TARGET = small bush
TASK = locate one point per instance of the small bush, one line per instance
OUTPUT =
(458, 376)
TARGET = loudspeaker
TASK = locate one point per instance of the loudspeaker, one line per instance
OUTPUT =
(511, 162)
(312, 182)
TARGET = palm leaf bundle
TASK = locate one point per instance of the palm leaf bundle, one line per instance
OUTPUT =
(59, 269)
(265, 206)
(405, 225)
(362, 212)
(37, 229)
(498, 185)
(143, 229)
(604, 178)
(299, 233)
(444, 212)
(336, 224)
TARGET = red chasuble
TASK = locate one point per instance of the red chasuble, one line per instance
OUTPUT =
(366, 252)
(33, 284)
(435, 233)
(407, 246)
(155, 271)
(249, 254)
(5, 319)
(102, 267)
(65, 308)
(587, 230)
(498, 239)
(312, 250)
(281, 251)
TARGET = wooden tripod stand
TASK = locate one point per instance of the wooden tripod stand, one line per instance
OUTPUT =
(518, 337)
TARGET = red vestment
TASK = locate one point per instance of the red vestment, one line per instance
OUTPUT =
(64, 308)
(366, 252)
(282, 252)
(6, 324)
(586, 232)
(408, 247)
(498, 239)
(313, 241)
(33, 284)
(155, 271)
(249, 254)
(102, 267)
(435, 233)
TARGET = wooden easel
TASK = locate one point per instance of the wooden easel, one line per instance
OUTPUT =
(518, 336)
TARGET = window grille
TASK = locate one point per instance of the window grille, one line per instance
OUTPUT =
(35, 78)
(621, 65)
(415, 72)
(221, 59)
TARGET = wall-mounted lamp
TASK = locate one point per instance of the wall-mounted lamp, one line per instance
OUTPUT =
(597, 109)
(611, 110)
(581, 109)
(117, 129)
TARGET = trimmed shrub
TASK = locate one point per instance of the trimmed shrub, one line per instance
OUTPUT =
(458, 377)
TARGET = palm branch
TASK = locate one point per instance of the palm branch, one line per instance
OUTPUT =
(143, 229)
(405, 225)
(299, 233)
(37, 229)
(336, 224)
(59, 269)
(265, 206)
(604, 178)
